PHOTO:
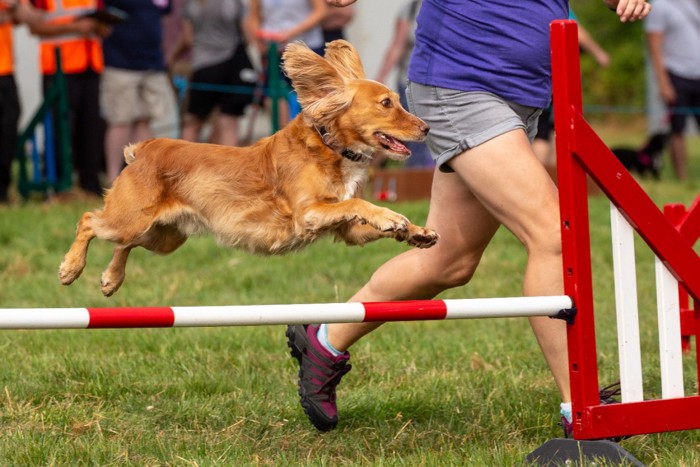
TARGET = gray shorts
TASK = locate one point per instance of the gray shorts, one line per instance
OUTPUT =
(460, 120)
(128, 95)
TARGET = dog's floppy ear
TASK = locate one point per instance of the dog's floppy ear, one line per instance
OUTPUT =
(319, 85)
(345, 58)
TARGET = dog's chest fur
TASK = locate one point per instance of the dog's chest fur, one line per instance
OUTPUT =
(354, 177)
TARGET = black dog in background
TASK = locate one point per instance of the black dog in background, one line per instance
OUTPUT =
(648, 159)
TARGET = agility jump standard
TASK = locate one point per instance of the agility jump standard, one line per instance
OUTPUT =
(252, 315)
(581, 152)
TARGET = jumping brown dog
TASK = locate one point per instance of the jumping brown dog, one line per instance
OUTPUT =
(274, 197)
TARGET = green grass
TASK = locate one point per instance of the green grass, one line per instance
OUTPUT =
(432, 393)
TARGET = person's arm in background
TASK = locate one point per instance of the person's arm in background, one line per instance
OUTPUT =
(629, 10)
(591, 46)
(340, 2)
(655, 42)
(7, 13)
(252, 24)
(19, 11)
(183, 44)
(318, 12)
(80, 26)
(396, 48)
(337, 18)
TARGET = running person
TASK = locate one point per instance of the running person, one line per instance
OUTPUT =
(479, 76)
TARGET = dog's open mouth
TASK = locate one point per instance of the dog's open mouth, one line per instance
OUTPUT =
(392, 144)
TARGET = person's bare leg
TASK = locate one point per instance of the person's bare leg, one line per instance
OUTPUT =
(465, 229)
(191, 128)
(513, 185)
(679, 156)
(119, 136)
(510, 185)
(116, 137)
(226, 130)
(283, 109)
(544, 150)
(141, 131)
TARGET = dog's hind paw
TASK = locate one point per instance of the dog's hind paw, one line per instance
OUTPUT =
(67, 272)
(422, 237)
(110, 283)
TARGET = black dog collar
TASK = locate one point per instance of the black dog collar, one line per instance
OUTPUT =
(346, 153)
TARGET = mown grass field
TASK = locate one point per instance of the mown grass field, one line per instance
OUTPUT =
(433, 393)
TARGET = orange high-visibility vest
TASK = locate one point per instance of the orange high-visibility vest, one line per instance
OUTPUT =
(78, 53)
(6, 67)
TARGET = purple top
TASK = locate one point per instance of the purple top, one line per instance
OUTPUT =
(497, 46)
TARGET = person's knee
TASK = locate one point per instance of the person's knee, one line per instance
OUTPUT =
(457, 272)
(546, 240)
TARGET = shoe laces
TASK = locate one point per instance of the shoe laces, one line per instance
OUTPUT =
(328, 386)
(608, 393)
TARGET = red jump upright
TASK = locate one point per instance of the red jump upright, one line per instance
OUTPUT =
(579, 152)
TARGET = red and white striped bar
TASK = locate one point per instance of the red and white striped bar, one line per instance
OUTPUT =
(257, 315)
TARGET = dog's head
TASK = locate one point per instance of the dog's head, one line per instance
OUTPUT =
(358, 114)
(656, 143)
(651, 155)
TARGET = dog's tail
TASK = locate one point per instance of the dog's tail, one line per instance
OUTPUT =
(132, 149)
(130, 152)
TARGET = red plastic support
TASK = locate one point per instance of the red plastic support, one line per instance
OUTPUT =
(687, 223)
(573, 200)
(579, 152)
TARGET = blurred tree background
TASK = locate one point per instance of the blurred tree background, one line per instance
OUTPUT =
(623, 83)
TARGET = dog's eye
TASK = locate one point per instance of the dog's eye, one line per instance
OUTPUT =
(386, 103)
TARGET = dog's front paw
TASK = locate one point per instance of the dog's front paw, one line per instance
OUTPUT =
(422, 237)
(390, 221)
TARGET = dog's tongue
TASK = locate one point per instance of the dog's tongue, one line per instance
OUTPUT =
(392, 143)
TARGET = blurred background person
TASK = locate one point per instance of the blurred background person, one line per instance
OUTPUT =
(673, 38)
(65, 26)
(543, 144)
(397, 56)
(284, 21)
(172, 31)
(135, 88)
(213, 31)
(12, 12)
(333, 24)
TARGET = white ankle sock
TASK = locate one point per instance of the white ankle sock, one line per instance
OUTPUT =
(566, 411)
(322, 336)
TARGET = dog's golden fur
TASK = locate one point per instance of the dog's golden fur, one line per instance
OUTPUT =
(274, 197)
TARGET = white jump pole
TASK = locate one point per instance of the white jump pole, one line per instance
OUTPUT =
(255, 315)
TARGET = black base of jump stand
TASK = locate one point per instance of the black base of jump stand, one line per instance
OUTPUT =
(562, 451)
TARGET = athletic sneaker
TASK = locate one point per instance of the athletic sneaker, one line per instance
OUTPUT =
(607, 396)
(319, 374)
(568, 427)
(608, 393)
